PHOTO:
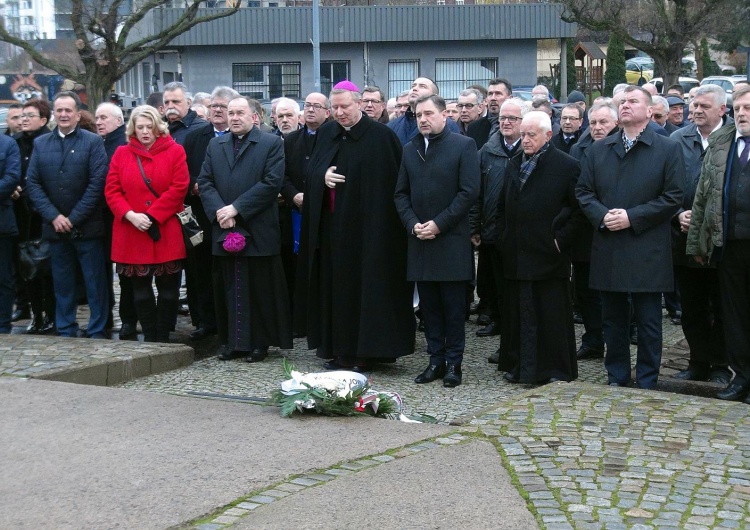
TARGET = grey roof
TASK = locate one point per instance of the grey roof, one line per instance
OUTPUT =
(293, 25)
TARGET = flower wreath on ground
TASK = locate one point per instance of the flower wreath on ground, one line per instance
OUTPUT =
(339, 393)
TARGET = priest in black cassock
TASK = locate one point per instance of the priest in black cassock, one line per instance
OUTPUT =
(352, 260)
(240, 179)
(538, 220)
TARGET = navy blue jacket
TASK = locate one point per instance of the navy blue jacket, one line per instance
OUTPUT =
(10, 177)
(406, 128)
(66, 176)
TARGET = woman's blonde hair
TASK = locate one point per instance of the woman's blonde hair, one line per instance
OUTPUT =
(146, 111)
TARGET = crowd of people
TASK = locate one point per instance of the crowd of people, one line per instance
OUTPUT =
(354, 220)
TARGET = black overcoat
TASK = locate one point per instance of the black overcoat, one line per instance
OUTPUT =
(647, 183)
(532, 218)
(372, 301)
(251, 183)
(440, 185)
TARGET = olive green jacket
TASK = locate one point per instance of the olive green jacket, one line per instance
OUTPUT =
(706, 232)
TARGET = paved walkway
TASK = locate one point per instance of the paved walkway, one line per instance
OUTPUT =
(566, 455)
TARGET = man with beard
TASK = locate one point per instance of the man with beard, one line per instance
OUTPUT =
(353, 246)
(602, 123)
(287, 116)
(437, 185)
(538, 221)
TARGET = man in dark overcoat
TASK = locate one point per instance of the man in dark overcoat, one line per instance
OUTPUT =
(10, 177)
(203, 282)
(437, 185)
(353, 246)
(630, 187)
(538, 221)
(239, 182)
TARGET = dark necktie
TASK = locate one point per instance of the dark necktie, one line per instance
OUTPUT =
(745, 152)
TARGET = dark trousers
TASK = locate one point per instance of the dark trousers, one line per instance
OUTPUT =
(7, 289)
(220, 301)
(734, 280)
(616, 326)
(702, 322)
(443, 311)
(156, 314)
(128, 314)
(486, 287)
(200, 293)
(66, 256)
(590, 306)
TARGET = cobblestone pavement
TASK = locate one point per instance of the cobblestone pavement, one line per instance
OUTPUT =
(483, 386)
(588, 456)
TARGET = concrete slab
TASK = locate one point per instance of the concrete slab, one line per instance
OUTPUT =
(93, 457)
(88, 361)
(459, 486)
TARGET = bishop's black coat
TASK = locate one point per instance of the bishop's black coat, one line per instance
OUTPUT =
(370, 299)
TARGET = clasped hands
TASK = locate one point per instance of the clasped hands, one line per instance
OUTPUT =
(426, 230)
(616, 219)
(226, 216)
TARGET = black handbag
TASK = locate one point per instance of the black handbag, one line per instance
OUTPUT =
(33, 258)
(191, 230)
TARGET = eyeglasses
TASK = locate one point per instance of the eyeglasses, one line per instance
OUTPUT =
(217, 106)
(371, 101)
(511, 119)
(467, 106)
(658, 116)
(29, 116)
(316, 106)
(569, 118)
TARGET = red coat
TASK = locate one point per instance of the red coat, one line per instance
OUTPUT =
(165, 166)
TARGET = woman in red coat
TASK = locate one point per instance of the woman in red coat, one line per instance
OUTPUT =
(146, 185)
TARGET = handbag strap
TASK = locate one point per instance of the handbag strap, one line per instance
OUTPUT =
(143, 175)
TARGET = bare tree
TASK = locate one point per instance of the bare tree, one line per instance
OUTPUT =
(661, 28)
(109, 41)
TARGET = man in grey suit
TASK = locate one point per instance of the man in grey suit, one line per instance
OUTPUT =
(240, 179)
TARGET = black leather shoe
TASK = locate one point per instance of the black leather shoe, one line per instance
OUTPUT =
(332, 365)
(20, 314)
(453, 376)
(257, 355)
(48, 327)
(35, 328)
(511, 377)
(495, 357)
(720, 375)
(618, 384)
(127, 331)
(432, 372)
(693, 374)
(734, 392)
(483, 320)
(676, 321)
(490, 330)
(226, 354)
(183, 310)
(201, 333)
(584, 352)
(577, 318)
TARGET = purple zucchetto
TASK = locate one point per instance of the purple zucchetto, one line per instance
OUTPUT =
(346, 85)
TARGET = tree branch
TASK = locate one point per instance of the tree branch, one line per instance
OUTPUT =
(36, 55)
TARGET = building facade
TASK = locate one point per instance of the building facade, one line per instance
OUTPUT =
(267, 52)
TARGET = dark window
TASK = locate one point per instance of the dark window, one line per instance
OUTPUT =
(331, 72)
(454, 75)
(266, 81)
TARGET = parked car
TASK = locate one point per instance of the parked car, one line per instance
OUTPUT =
(686, 82)
(637, 73)
(724, 81)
